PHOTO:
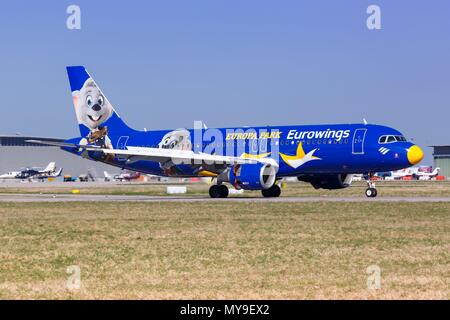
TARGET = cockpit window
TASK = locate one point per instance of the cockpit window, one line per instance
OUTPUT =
(391, 139)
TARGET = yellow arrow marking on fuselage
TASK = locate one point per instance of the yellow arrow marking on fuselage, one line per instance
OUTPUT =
(255, 156)
(206, 173)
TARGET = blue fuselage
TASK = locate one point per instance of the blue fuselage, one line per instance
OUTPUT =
(337, 148)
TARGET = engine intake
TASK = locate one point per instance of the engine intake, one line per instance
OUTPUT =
(328, 181)
(258, 176)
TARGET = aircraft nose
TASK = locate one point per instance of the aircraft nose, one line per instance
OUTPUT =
(415, 155)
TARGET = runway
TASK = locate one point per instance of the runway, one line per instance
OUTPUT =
(139, 198)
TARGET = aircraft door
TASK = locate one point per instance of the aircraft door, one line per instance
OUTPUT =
(122, 145)
(358, 141)
(122, 142)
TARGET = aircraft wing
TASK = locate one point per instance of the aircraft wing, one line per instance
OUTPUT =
(65, 144)
(163, 155)
(181, 157)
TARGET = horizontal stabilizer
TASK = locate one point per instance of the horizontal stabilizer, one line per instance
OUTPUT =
(64, 144)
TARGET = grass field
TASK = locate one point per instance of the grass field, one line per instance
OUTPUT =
(225, 250)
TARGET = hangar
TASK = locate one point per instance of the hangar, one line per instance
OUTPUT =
(441, 159)
(16, 153)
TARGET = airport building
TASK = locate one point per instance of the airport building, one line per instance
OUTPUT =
(16, 153)
(441, 159)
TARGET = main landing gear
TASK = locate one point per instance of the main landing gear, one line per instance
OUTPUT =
(273, 192)
(371, 191)
(218, 191)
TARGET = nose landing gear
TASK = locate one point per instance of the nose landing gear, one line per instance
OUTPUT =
(371, 191)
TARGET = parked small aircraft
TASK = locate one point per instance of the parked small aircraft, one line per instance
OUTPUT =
(413, 173)
(124, 176)
(34, 173)
(425, 173)
(10, 175)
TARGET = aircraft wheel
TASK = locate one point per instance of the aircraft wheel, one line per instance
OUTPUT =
(273, 192)
(214, 191)
(224, 192)
(217, 191)
(371, 192)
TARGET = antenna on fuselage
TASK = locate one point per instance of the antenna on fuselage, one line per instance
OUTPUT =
(365, 121)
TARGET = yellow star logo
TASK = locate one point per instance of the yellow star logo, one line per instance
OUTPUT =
(300, 158)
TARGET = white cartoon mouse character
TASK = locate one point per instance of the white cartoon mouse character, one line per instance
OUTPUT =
(176, 140)
(179, 139)
(92, 110)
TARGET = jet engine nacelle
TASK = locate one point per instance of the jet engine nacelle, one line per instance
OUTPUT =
(328, 181)
(258, 176)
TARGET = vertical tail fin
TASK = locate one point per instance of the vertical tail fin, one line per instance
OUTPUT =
(58, 173)
(93, 110)
(50, 167)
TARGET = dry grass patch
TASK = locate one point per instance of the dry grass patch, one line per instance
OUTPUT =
(224, 250)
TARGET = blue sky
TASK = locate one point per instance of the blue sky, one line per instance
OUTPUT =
(164, 64)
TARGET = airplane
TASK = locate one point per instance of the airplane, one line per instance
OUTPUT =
(421, 173)
(10, 175)
(107, 176)
(45, 175)
(402, 173)
(398, 174)
(128, 176)
(425, 173)
(251, 158)
(124, 176)
(34, 173)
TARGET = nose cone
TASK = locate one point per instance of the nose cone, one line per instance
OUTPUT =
(415, 155)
